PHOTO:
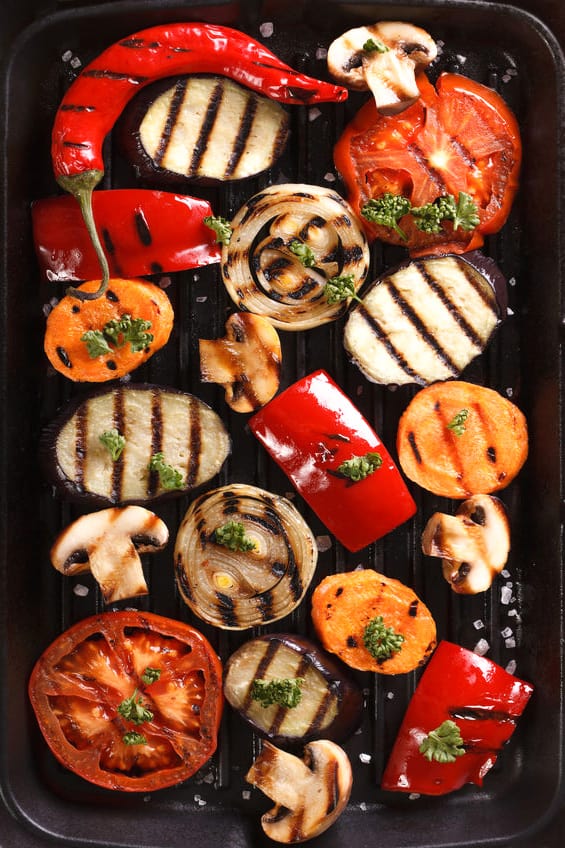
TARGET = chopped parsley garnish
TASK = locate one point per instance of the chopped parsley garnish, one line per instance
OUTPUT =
(221, 227)
(387, 210)
(134, 710)
(114, 443)
(372, 46)
(340, 288)
(117, 333)
(132, 737)
(169, 477)
(304, 253)
(381, 641)
(359, 467)
(284, 692)
(232, 535)
(457, 423)
(444, 744)
(151, 675)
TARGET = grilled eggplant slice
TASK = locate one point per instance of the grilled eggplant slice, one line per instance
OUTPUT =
(243, 557)
(330, 703)
(172, 442)
(203, 128)
(424, 321)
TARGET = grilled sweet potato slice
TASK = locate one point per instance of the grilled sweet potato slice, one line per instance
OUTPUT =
(458, 439)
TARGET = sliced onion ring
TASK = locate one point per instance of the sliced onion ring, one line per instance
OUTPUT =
(263, 275)
(235, 590)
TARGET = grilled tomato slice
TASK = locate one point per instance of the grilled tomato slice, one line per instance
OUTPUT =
(129, 700)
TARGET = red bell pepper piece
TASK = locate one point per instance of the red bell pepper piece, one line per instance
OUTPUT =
(482, 699)
(143, 232)
(97, 97)
(310, 429)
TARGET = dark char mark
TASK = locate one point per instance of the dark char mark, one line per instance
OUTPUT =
(413, 445)
(142, 229)
(242, 136)
(174, 109)
(392, 351)
(206, 128)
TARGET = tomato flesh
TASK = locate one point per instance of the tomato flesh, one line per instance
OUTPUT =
(458, 137)
(79, 683)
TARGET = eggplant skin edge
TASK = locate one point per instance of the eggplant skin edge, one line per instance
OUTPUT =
(339, 680)
(52, 473)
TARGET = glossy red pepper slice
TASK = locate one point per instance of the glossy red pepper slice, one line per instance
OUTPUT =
(484, 701)
(310, 429)
(143, 232)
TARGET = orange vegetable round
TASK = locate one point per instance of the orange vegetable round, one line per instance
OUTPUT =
(481, 455)
(71, 318)
(344, 604)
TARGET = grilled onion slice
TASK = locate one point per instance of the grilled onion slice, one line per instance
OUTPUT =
(236, 589)
(260, 266)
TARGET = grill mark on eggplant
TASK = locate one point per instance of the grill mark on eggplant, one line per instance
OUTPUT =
(420, 326)
(243, 133)
(80, 450)
(282, 712)
(273, 646)
(434, 283)
(206, 128)
(156, 439)
(118, 421)
(174, 109)
(392, 351)
(195, 445)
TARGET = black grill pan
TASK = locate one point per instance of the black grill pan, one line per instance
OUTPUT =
(522, 800)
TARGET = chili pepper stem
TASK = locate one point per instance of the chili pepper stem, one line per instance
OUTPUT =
(81, 187)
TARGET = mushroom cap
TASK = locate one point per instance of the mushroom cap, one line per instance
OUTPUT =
(309, 793)
(474, 543)
(389, 68)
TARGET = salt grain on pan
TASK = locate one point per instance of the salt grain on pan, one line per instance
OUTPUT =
(390, 695)
(511, 667)
(75, 62)
(246, 794)
(365, 758)
(67, 56)
(510, 643)
(478, 624)
(267, 29)
(329, 177)
(80, 590)
(505, 573)
(313, 114)
(321, 53)
(505, 595)
(509, 391)
(363, 807)
(202, 299)
(481, 647)
(413, 796)
(506, 78)
(512, 281)
(323, 543)
(506, 632)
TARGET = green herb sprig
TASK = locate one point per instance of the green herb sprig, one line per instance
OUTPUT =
(232, 535)
(457, 425)
(114, 442)
(169, 477)
(381, 641)
(388, 209)
(116, 334)
(303, 252)
(340, 288)
(359, 467)
(133, 709)
(444, 744)
(372, 46)
(286, 692)
(221, 227)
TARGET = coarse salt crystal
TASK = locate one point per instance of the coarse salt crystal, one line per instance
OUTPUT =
(512, 281)
(329, 177)
(481, 647)
(363, 806)
(413, 796)
(202, 298)
(313, 113)
(506, 77)
(390, 695)
(246, 794)
(80, 590)
(321, 53)
(510, 643)
(478, 624)
(511, 667)
(505, 595)
(509, 391)
(267, 29)
(75, 62)
(461, 59)
(323, 543)
(506, 632)
(365, 758)
(67, 56)
(505, 573)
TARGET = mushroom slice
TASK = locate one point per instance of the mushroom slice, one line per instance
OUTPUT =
(108, 543)
(473, 544)
(384, 58)
(309, 793)
(247, 362)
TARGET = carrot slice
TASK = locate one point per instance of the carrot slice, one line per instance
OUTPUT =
(458, 439)
(343, 605)
(66, 345)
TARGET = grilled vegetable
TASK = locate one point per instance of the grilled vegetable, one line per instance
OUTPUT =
(458, 439)
(129, 700)
(473, 544)
(460, 137)
(329, 702)
(373, 622)
(309, 793)
(143, 232)
(247, 362)
(108, 543)
(204, 128)
(235, 587)
(153, 420)
(384, 58)
(335, 460)
(287, 242)
(103, 340)
(459, 688)
(422, 322)
(97, 97)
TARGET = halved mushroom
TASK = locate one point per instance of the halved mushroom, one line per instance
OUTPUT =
(473, 544)
(384, 58)
(246, 362)
(309, 793)
(108, 543)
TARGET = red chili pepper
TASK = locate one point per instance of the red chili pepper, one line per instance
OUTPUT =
(482, 699)
(97, 97)
(143, 232)
(310, 430)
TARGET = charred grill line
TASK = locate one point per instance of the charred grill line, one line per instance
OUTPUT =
(195, 445)
(156, 438)
(458, 316)
(174, 109)
(242, 136)
(392, 351)
(261, 670)
(81, 436)
(118, 465)
(117, 76)
(282, 712)
(206, 128)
